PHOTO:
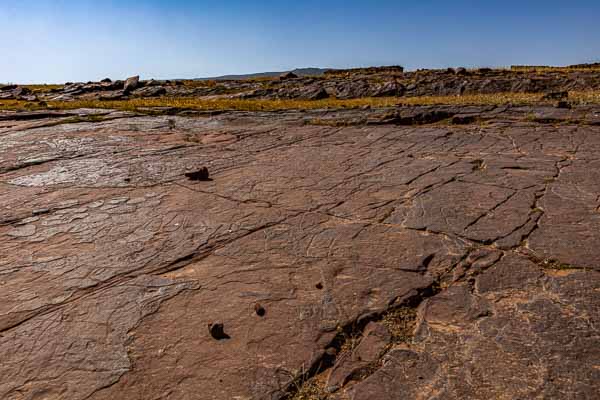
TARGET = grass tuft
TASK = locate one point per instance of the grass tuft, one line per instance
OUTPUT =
(312, 389)
(401, 323)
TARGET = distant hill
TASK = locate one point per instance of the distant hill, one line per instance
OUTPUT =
(297, 71)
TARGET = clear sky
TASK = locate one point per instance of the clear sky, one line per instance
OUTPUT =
(80, 40)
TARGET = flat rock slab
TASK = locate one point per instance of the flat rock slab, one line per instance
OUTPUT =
(371, 261)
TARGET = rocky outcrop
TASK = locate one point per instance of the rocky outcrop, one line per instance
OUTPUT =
(14, 92)
(341, 84)
(393, 255)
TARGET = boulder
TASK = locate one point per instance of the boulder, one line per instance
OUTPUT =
(73, 89)
(131, 84)
(150, 91)
(288, 75)
(62, 97)
(117, 85)
(21, 91)
(312, 92)
(374, 340)
(388, 89)
(253, 94)
(353, 89)
(114, 95)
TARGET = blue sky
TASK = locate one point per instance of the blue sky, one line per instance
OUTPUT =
(80, 40)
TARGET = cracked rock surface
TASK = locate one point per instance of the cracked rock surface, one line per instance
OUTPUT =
(391, 259)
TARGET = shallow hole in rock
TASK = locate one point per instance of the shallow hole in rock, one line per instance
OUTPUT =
(478, 165)
(319, 286)
(260, 310)
(217, 331)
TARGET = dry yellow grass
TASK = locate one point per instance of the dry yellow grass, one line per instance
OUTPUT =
(199, 83)
(275, 105)
(401, 323)
(20, 105)
(587, 97)
(312, 389)
(533, 68)
(42, 87)
(203, 104)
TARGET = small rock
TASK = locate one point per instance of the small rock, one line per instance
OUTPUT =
(563, 104)
(331, 351)
(463, 119)
(106, 80)
(217, 331)
(62, 97)
(460, 71)
(31, 97)
(39, 211)
(200, 175)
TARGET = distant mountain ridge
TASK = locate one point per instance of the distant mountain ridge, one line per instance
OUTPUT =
(297, 71)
